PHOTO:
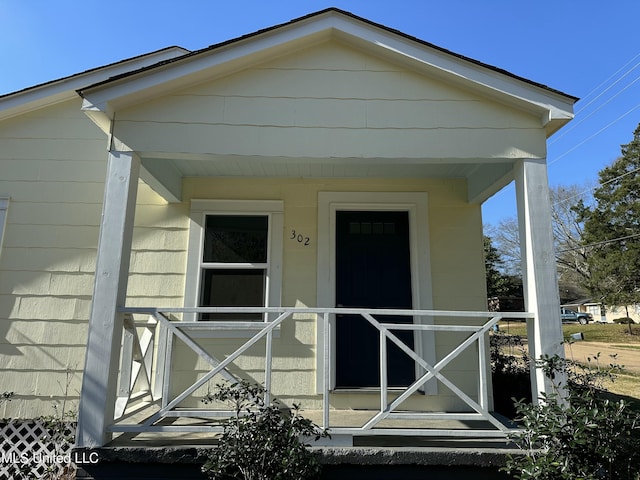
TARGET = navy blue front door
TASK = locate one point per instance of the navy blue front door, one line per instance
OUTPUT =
(373, 270)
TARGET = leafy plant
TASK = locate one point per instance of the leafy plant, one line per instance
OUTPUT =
(509, 372)
(261, 440)
(576, 432)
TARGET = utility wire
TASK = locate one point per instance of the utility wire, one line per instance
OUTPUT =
(589, 103)
(605, 81)
(602, 105)
(601, 93)
(604, 242)
(593, 135)
(590, 190)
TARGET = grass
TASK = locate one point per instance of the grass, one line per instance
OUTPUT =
(627, 384)
(594, 332)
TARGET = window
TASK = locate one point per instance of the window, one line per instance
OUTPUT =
(4, 206)
(234, 264)
(235, 257)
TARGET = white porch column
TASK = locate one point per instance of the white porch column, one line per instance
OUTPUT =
(97, 398)
(539, 274)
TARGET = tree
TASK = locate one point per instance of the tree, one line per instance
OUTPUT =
(492, 263)
(612, 230)
(507, 241)
(499, 284)
(571, 255)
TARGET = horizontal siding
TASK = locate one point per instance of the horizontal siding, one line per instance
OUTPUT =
(331, 101)
(352, 113)
(52, 166)
(461, 143)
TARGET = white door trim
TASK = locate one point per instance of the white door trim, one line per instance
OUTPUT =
(416, 203)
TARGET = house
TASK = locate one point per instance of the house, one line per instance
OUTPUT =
(300, 206)
(605, 314)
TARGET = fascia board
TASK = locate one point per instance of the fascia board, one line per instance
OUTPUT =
(119, 93)
(64, 89)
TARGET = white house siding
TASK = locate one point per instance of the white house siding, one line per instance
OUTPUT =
(330, 101)
(52, 166)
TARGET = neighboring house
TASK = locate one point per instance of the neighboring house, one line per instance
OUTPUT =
(326, 163)
(604, 314)
(613, 313)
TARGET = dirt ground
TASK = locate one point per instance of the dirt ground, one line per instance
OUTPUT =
(627, 357)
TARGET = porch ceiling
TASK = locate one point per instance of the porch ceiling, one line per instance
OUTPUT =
(485, 176)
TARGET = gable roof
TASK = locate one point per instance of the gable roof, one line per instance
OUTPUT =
(355, 17)
(130, 81)
(103, 98)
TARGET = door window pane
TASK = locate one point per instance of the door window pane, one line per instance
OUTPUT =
(235, 239)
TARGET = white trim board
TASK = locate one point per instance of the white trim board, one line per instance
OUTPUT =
(416, 203)
(199, 209)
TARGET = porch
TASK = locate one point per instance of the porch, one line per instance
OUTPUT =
(148, 408)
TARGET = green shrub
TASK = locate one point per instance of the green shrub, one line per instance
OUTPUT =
(624, 320)
(261, 441)
(579, 434)
(509, 372)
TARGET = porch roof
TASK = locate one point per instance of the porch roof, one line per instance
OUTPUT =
(485, 158)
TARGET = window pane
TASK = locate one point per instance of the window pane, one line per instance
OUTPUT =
(232, 288)
(235, 239)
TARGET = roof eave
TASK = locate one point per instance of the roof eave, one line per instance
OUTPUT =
(64, 89)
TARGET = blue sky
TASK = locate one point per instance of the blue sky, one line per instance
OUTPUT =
(586, 48)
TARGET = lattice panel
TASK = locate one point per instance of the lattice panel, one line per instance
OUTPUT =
(36, 450)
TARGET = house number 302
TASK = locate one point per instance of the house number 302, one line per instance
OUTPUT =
(298, 237)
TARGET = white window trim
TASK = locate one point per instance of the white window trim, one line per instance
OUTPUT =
(4, 209)
(274, 209)
(416, 204)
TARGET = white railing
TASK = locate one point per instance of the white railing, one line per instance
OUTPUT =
(143, 379)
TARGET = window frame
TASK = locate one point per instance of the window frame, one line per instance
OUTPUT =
(200, 209)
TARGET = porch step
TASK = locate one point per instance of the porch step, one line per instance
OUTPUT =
(451, 461)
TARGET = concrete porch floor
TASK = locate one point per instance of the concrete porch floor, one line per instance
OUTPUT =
(175, 455)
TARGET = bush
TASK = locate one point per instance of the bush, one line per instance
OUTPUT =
(624, 320)
(509, 372)
(579, 434)
(261, 441)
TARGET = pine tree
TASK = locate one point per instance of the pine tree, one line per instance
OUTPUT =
(612, 230)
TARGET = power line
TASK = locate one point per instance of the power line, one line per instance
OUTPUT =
(604, 242)
(605, 81)
(564, 132)
(611, 180)
(582, 119)
(593, 135)
(610, 86)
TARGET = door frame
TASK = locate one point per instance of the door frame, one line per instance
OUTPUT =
(416, 204)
